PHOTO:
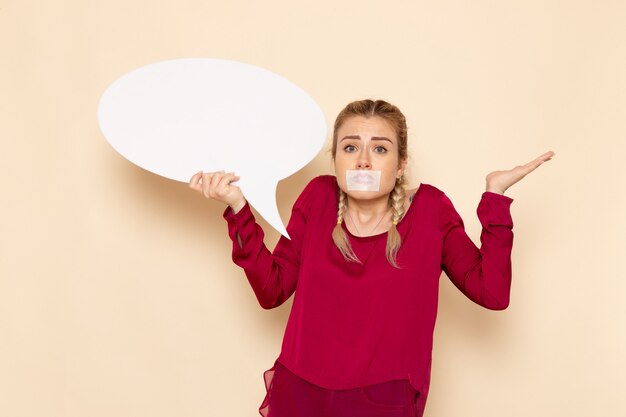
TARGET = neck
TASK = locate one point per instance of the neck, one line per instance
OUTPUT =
(369, 208)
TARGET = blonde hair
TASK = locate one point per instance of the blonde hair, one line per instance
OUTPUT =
(393, 115)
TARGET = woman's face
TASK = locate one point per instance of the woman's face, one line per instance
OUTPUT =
(368, 143)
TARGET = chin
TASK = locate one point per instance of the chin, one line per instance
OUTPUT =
(367, 195)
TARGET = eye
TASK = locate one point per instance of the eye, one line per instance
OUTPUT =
(380, 149)
(349, 148)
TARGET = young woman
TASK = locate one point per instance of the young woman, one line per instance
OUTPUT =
(364, 261)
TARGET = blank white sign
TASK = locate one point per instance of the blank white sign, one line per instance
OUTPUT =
(175, 118)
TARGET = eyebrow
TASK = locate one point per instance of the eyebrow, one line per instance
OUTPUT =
(359, 138)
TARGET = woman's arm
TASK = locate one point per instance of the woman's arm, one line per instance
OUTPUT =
(483, 275)
(272, 275)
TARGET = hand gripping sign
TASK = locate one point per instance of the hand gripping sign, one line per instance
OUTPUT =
(177, 117)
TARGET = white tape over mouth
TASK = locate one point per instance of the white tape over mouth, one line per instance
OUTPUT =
(363, 180)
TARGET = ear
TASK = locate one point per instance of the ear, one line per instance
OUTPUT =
(402, 167)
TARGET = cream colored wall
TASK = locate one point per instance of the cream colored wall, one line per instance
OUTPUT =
(117, 293)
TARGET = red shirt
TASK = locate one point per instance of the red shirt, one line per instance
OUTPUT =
(352, 324)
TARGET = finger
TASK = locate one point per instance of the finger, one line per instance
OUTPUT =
(548, 155)
(542, 158)
(215, 179)
(212, 185)
(206, 184)
(532, 165)
(194, 182)
(224, 184)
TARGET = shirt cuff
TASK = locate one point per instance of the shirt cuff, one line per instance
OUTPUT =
(242, 215)
(492, 195)
(495, 210)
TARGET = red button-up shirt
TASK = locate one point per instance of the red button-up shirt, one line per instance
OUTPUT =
(353, 324)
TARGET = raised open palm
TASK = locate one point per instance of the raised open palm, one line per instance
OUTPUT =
(500, 181)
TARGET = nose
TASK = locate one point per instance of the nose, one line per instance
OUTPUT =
(363, 161)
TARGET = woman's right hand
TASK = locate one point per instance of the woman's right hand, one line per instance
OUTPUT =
(216, 185)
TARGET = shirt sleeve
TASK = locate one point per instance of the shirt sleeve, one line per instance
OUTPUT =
(272, 275)
(483, 275)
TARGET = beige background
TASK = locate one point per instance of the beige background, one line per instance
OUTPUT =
(117, 293)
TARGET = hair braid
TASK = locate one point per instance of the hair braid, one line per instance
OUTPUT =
(339, 235)
(396, 201)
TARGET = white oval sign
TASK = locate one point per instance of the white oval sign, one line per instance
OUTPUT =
(175, 118)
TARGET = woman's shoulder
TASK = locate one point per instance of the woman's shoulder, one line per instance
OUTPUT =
(322, 183)
(429, 190)
(325, 179)
(320, 188)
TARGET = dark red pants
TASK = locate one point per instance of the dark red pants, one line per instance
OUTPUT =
(291, 396)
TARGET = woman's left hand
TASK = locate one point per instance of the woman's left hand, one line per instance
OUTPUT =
(499, 181)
